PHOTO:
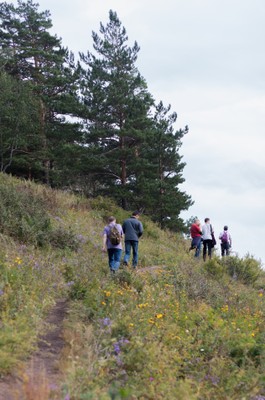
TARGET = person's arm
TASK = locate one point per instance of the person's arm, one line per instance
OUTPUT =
(141, 229)
(104, 244)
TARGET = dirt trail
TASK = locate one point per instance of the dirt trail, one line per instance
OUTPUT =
(41, 376)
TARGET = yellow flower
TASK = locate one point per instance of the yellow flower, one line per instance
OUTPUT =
(151, 321)
(142, 305)
(107, 293)
(158, 316)
(260, 294)
(103, 303)
(131, 324)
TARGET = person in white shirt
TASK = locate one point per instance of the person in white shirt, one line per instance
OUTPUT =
(226, 241)
(207, 236)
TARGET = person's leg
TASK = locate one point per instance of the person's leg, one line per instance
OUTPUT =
(197, 242)
(127, 252)
(227, 248)
(209, 244)
(222, 250)
(111, 259)
(204, 250)
(135, 253)
(116, 259)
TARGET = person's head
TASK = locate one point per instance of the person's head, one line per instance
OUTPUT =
(111, 219)
(207, 220)
(197, 222)
(136, 214)
(225, 228)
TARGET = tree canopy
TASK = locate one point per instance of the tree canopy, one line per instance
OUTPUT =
(90, 125)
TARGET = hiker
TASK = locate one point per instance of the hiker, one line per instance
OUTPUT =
(196, 235)
(133, 230)
(112, 242)
(207, 237)
(226, 242)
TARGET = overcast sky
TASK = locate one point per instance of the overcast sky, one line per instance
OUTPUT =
(206, 58)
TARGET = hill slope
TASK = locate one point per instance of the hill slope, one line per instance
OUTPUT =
(175, 329)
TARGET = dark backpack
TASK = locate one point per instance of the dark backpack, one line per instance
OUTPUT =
(114, 235)
(224, 237)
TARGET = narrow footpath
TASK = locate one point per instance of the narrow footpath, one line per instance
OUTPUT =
(41, 376)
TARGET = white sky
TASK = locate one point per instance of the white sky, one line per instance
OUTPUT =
(206, 58)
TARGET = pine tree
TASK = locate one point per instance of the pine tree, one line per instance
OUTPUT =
(18, 123)
(117, 104)
(32, 54)
(158, 189)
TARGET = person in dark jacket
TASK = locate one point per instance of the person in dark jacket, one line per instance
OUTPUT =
(133, 230)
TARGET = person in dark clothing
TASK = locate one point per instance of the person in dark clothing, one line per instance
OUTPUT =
(226, 241)
(133, 230)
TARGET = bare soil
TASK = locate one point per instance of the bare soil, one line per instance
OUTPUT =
(40, 378)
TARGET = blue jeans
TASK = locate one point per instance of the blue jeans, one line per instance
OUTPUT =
(196, 242)
(131, 244)
(114, 258)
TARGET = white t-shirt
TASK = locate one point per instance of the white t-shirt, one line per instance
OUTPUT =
(206, 232)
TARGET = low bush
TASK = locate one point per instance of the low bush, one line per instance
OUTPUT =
(23, 215)
(247, 270)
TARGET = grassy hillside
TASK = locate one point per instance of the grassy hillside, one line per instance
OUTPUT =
(177, 328)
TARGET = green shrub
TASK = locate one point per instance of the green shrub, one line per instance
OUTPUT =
(247, 270)
(62, 239)
(23, 215)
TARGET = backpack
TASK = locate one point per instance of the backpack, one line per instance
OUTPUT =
(114, 235)
(224, 237)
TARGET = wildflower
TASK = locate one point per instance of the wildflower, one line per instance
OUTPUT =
(142, 305)
(106, 321)
(202, 350)
(151, 321)
(107, 293)
(158, 316)
(103, 303)
(1, 292)
(131, 324)
(260, 294)
(151, 379)
(67, 397)
(70, 283)
(117, 348)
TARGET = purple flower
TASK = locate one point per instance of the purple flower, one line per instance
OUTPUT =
(67, 397)
(258, 397)
(1, 292)
(117, 348)
(106, 321)
(70, 283)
